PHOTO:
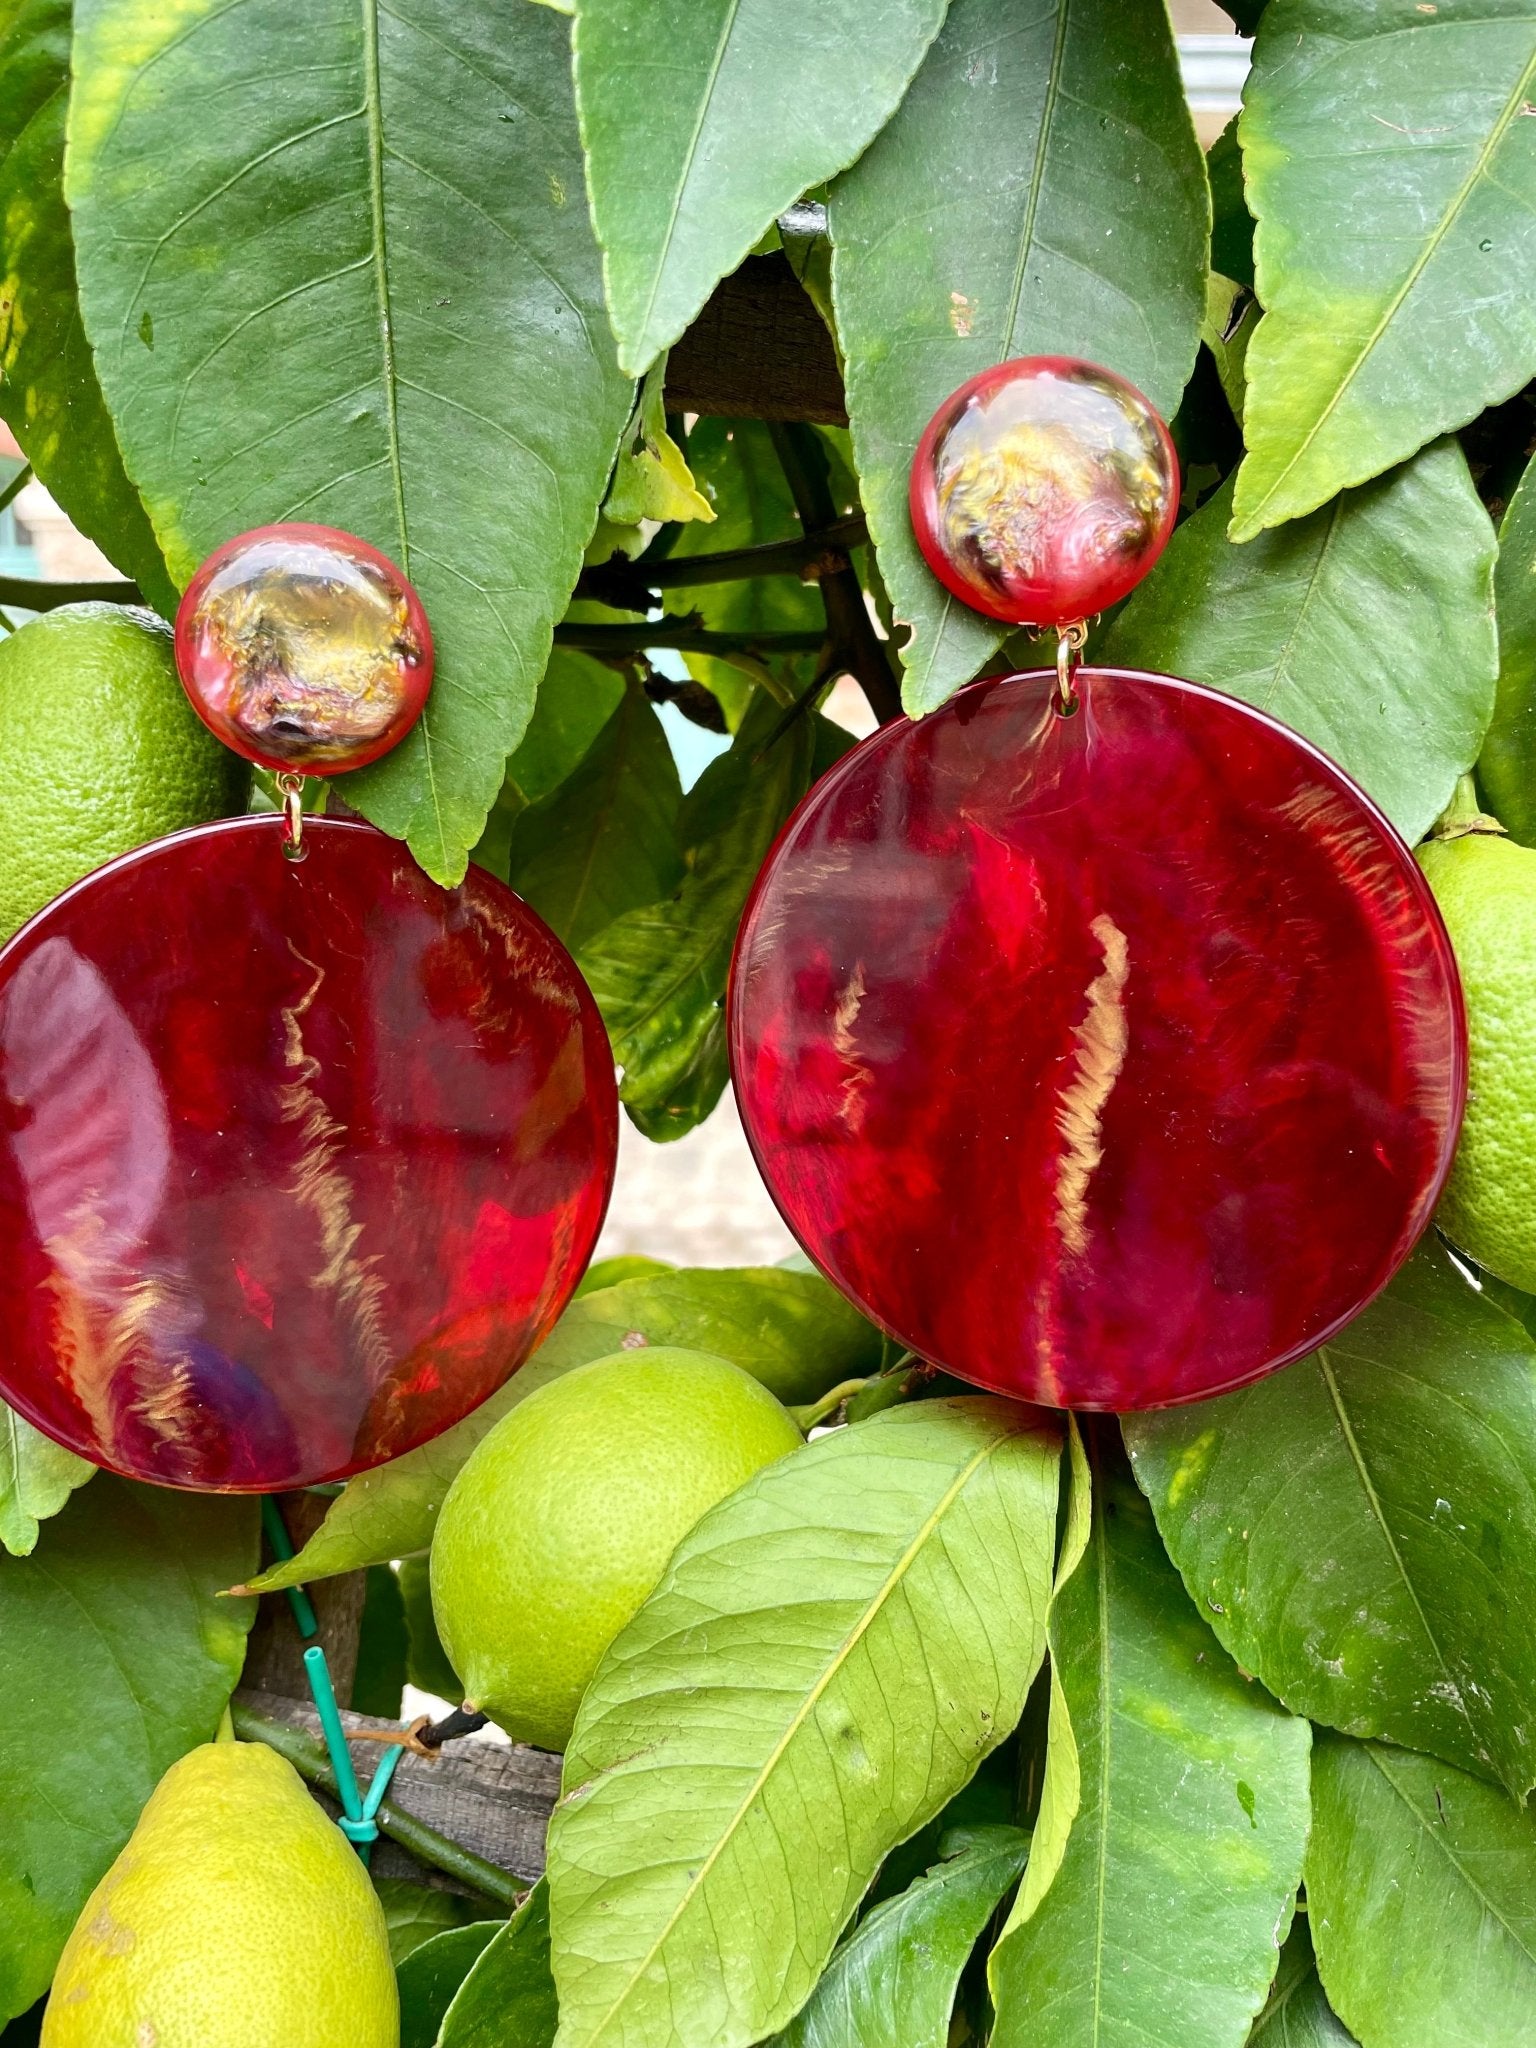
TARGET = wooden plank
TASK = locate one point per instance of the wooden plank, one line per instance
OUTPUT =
(492, 1797)
(758, 351)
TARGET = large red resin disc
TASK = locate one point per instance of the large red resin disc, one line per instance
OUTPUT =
(1108, 1060)
(297, 1162)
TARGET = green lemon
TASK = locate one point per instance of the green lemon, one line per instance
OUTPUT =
(565, 1515)
(99, 750)
(1486, 888)
(237, 1916)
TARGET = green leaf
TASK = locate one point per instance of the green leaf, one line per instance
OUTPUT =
(1421, 1888)
(379, 1681)
(577, 698)
(374, 300)
(49, 396)
(431, 1975)
(1040, 191)
(1164, 1920)
(736, 466)
(1061, 1789)
(703, 122)
(790, 1330)
(1403, 1456)
(1231, 222)
(830, 1654)
(651, 479)
(414, 1913)
(621, 1266)
(605, 841)
(426, 1661)
(1405, 563)
(894, 1978)
(508, 1998)
(1507, 765)
(116, 1657)
(37, 1476)
(1297, 2013)
(659, 973)
(1393, 180)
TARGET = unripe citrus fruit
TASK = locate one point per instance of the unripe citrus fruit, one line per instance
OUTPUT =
(564, 1517)
(237, 1915)
(1486, 888)
(99, 750)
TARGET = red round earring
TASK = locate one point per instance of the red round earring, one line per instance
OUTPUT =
(299, 1158)
(1095, 1034)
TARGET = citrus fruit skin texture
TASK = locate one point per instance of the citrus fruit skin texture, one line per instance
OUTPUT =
(1486, 889)
(566, 1514)
(237, 1916)
(99, 750)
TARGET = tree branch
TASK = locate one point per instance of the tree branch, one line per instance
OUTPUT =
(628, 586)
(682, 633)
(856, 645)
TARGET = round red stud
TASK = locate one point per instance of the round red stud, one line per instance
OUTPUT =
(297, 1163)
(1043, 490)
(304, 649)
(1109, 1060)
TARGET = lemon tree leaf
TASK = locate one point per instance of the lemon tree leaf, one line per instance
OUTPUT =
(49, 396)
(651, 479)
(1163, 1924)
(1421, 1894)
(1404, 1453)
(790, 1330)
(1039, 191)
(1507, 766)
(659, 972)
(1392, 172)
(430, 1976)
(113, 1637)
(365, 293)
(414, 1913)
(894, 1978)
(830, 1654)
(508, 1998)
(702, 123)
(1297, 2013)
(605, 841)
(37, 1476)
(1405, 562)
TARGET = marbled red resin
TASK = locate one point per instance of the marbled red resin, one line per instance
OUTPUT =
(1043, 490)
(1108, 1060)
(304, 648)
(297, 1163)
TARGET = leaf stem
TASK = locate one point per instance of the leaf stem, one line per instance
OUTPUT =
(310, 1761)
(16, 486)
(809, 1413)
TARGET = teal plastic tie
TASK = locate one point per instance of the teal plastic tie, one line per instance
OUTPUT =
(358, 1819)
(319, 1674)
(281, 1545)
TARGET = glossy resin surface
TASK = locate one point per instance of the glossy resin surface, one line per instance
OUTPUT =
(1108, 1060)
(1043, 490)
(297, 1163)
(304, 648)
